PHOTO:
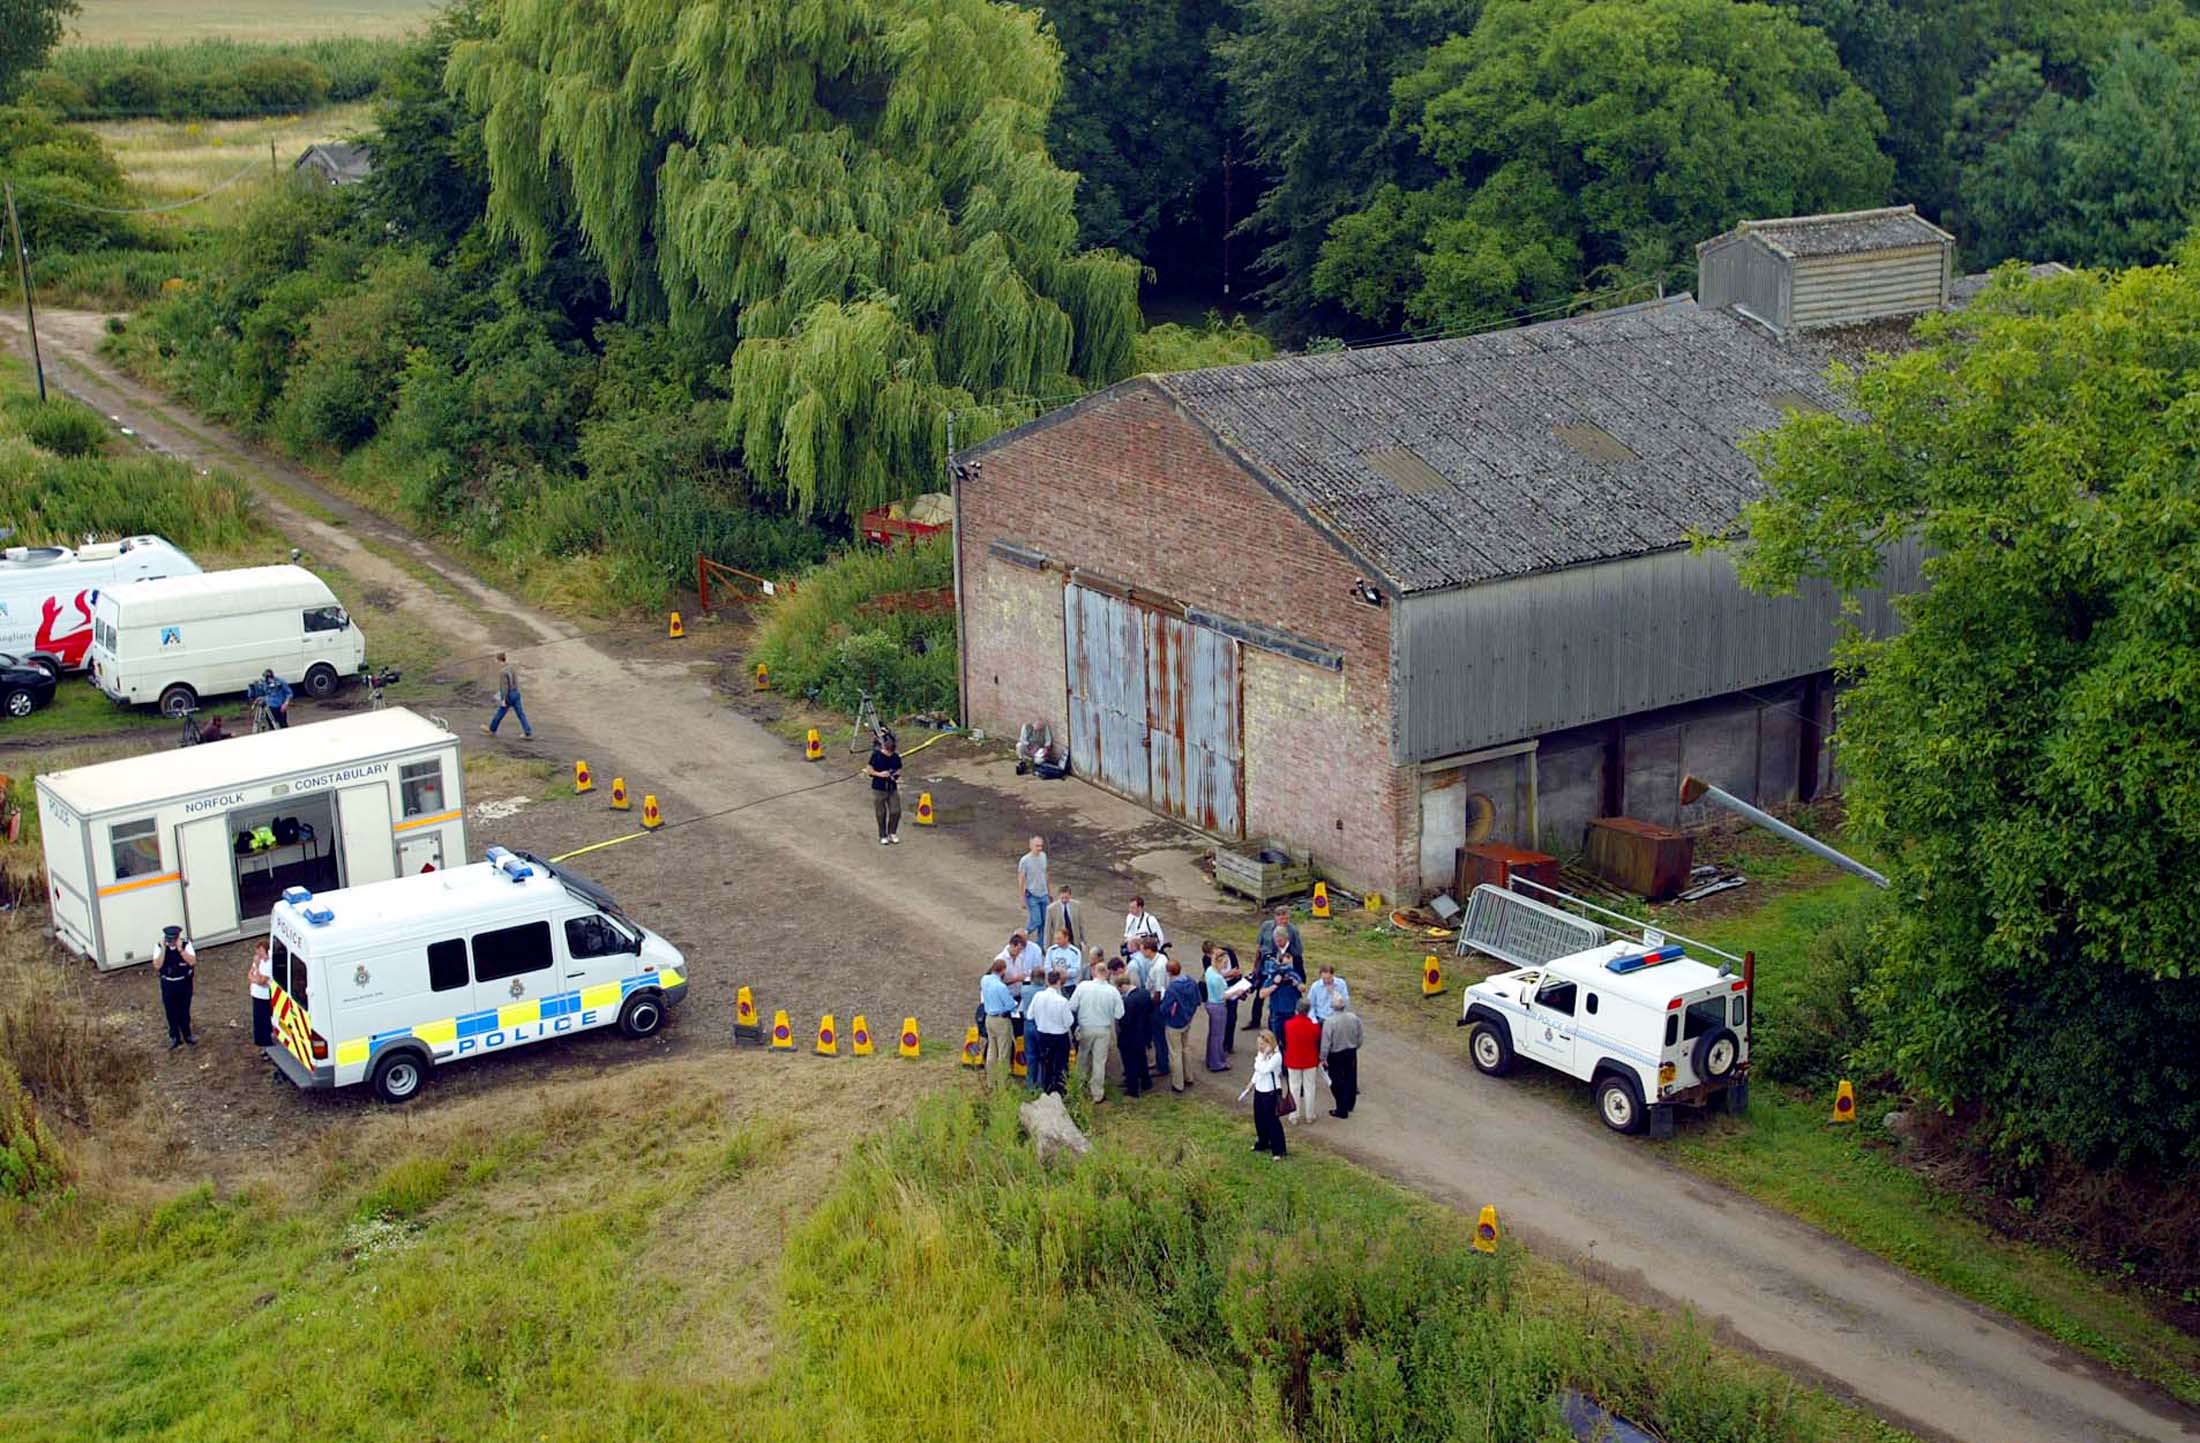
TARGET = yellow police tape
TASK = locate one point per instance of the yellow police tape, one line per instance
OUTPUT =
(630, 836)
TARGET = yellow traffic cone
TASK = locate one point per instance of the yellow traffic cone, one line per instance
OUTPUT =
(1432, 976)
(924, 809)
(1844, 1102)
(582, 781)
(813, 747)
(828, 1037)
(973, 1048)
(909, 1045)
(1485, 1230)
(673, 630)
(744, 1017)
(763, 677)
(782, 1033)
(859, 1036)
(1372, 902)
(651, 817)
(620, 802)
(1321, 899)
(1017, 1066)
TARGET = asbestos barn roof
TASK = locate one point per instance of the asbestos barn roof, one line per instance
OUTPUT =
(1448, 463)
(1847, 233)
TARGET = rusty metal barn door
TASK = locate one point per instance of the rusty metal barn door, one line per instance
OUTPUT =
(1193, 746)
(1105, 647)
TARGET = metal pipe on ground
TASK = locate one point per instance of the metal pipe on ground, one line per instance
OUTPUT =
(1696, 789)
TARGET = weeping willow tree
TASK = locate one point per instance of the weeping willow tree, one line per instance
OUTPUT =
(856, 191)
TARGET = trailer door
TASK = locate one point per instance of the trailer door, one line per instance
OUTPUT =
(370, 851)
(209, 876)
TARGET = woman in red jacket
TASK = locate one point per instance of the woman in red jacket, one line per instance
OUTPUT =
(1302, 1059)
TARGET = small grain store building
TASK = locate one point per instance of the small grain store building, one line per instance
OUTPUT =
(208, 839)
(1377, 604)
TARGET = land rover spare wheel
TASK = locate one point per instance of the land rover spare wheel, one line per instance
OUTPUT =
(1617, 1103)
(1490, 1048)
(1718, 1053)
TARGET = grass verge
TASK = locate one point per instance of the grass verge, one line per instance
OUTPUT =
(662, 1251)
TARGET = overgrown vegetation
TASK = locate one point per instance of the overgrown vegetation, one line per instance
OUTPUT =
(868, 620)
(1244, 1300)
(210, 79)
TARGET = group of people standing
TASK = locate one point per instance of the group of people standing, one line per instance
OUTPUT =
(1139, 1002)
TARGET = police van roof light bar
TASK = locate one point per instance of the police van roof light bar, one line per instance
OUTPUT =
(1645, 959)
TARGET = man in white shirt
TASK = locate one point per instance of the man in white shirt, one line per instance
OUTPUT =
(1327, 995)
(1098, 1007)
(1026, 965)
(1152, 971)
(1141, 924)
(1048, 1018)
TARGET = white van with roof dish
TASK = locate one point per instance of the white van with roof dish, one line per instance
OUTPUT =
(383, 983)
(1648, 1027)
(47, 592)
(180, 640)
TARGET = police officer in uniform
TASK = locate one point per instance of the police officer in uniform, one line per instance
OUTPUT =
(179, 962)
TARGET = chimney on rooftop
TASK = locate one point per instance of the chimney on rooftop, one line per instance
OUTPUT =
(1810, 272)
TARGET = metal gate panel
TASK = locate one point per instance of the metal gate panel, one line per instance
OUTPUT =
(1107, 691)
(1521, 931)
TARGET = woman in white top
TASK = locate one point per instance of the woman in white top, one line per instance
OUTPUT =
(263, 999)
(1265, 1088)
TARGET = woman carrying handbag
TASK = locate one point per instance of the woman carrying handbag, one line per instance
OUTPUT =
(1271, 1103)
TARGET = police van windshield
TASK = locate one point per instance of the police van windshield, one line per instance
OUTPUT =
(582, 889)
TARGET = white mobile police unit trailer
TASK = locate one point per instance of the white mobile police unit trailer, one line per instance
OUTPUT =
(383, 983)
(208, 839)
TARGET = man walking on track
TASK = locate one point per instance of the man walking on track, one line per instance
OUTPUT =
(884, 771)
(1031, 875)
(508, 700)
(1341, 1056)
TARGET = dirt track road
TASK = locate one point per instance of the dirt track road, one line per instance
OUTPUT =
(798, 889)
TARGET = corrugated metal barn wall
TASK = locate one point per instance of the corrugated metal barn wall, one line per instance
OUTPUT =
(1514, 659)
(1741, 272)
(1846, 290)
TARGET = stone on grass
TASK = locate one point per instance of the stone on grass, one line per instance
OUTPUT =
(1052, 1133)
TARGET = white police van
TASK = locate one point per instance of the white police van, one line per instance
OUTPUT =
(1647, 1027)
(383, 983)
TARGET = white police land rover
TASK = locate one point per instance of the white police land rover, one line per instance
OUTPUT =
(382, 983)
(1646, 1027)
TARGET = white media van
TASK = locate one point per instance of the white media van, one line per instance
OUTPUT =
(383, 983)
(208, 839)
(188, 637)
(46, 593)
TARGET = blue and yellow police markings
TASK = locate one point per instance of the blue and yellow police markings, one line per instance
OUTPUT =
(512, 1024)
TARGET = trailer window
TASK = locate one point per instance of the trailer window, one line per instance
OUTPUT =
(1559, 997)
(447, 964)
(509, 951)
(421, 787)
(136, 848)
(1672, 1028)
(1741, 1008)
(1704, 1016)
(325, 618)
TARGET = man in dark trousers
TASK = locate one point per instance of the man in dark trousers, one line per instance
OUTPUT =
(1341, 1036)
(884, 771)
(179, 963)
(1134, 1031)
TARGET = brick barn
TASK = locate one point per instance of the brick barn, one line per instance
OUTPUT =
(1377, 604)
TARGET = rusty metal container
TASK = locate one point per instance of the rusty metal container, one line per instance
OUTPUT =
(1644, 858)
(1497, 864)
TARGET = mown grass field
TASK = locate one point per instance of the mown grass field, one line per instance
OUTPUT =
(147, 22)
(1846, 1181)
(750, 1247)
(170, 161)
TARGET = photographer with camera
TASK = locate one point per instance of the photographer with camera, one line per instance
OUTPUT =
(272, 692)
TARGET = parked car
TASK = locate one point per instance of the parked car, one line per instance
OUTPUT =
(24, 688)
(1648, 1028)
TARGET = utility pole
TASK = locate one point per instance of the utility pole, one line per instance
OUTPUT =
(273, 171)
(23, 269)
(1227, 158)
(955, 545)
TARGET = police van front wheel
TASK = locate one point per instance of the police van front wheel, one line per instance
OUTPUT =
(644, 1014)
(1619, 1104)
(1491, 1050)
(397, 1078)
